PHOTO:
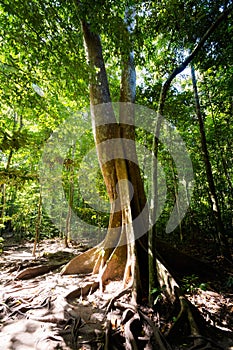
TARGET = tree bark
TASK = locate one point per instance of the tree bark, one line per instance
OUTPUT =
(223, 159)
(118, 256)
(209, 174)
(163, 95)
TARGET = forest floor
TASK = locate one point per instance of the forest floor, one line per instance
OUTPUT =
(35, 315)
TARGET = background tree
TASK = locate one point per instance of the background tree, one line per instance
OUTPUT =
(213, 194)
(45, 77)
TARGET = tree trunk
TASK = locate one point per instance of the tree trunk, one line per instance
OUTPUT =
(38, 224)
(154, 167)
(118, 255)
(3, 191)
(213, 194)
(223, 159)
(70, 168)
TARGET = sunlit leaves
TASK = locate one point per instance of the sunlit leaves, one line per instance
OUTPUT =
(44, 78)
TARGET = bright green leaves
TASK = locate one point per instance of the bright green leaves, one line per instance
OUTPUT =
(44, 78)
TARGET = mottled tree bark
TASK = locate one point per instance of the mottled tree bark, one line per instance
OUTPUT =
(118, 256)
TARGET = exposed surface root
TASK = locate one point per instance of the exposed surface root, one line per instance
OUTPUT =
(88, 287)
(109, 304)
(189, 325)
(130, 328)
(159, 337)
(35, 315)
(185, 316)
(83, 263)
(32, 272)
(209, 343)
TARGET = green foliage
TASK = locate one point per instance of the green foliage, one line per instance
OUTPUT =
(229, 282)
(44, 79)
(190, 284)
(158, 293)
(1, 244)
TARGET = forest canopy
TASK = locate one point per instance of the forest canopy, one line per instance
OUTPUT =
(44, 80)
(116, 129)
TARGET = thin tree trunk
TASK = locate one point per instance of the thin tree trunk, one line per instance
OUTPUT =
(176, 198)
(223, 16)
(38, 223)
(213, 193)
(3, 194)
(70, 168)
(224, 163)
(163, 95)
(3, 205)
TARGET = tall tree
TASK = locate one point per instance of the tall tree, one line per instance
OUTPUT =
(120, 249)
(118, 172)
(212, 188)
(120, 255)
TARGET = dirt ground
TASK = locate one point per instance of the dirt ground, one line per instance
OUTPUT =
(34, 313)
